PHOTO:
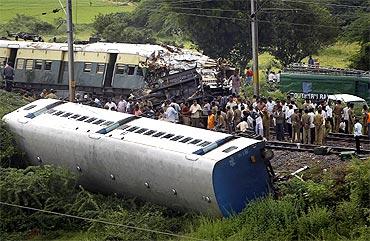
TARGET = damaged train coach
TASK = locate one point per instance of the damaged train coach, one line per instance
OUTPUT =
(178, 166)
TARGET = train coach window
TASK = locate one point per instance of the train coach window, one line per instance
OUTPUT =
(48, 65)
(38, 64)
(58, 113)
(75, 116)
(67, 114)
(100, 68)
(168, 136)
(51, 111)
(139, 71)
(196, 141)
(185, 140)
(150, 132)
(29, 64)
(131, 70)
(82, 118)
(98, 122)
(20, 64)
(204, 143)
(2, 60)
(107, 123)
(132, 129)
(87, 67)
(229, 149)
(158, 134)
(123, 127)
(121, 68)
(90, 120)
(29, 107)
(176, 138)
(142, 130)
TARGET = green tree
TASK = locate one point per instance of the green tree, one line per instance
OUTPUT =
(359, 31)
(288, 35)
(298, 31)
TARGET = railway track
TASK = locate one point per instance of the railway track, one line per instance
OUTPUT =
(346, 138)
(279, 145)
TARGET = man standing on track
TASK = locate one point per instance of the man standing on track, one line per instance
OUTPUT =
(337, 115)
(357, 134)
(8, 76)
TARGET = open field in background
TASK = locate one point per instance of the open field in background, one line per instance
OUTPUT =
(82, 11)
(338, 55)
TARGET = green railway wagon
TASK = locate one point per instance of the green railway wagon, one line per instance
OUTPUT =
(358, 85)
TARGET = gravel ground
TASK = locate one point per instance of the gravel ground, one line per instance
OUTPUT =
(286, 162)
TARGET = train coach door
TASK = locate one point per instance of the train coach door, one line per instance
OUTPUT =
(13, 55)
(110, 68)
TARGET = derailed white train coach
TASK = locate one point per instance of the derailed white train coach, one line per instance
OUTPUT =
(178, 166)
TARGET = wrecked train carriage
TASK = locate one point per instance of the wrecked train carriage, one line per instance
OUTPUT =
(101, 68)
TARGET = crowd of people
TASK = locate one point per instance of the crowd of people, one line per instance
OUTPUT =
(282, 120)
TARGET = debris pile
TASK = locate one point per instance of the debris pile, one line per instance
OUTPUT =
(174, 72)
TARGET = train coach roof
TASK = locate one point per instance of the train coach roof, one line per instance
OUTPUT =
(141, 49)
(90, 120)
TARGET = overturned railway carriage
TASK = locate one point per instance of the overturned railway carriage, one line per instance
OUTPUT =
(101, 68)
(174, 165)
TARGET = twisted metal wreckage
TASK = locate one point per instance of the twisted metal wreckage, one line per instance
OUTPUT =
(181, 73)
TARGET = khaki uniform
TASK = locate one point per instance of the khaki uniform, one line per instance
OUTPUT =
(296, 127)
(237, 117)
(229, 121)
(306, 128)
(365, 116)
(266, 124)
(337, 114)
(319, 129)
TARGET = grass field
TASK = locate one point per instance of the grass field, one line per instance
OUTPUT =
(338, 55)
(82, 11)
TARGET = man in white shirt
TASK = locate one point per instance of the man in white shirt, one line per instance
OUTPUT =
(346, 116)
(235, 82)
(272, 77)
(242, 126)
(329, 116)
(195, 111)
(270, 105)
(122, 104)
(357, 133)
(288, 118)
(110, 105)
(311, 114)
(171, 114)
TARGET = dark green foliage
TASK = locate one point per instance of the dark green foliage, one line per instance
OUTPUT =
(43, 187)
(288, 35)
(362, 59)
(359, 31)
(54, 189)
(24, 23)
(121, 27)
(9, 154)
(291, 43)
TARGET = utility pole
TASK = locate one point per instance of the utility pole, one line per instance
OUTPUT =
(254, 29)
(71, 72)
